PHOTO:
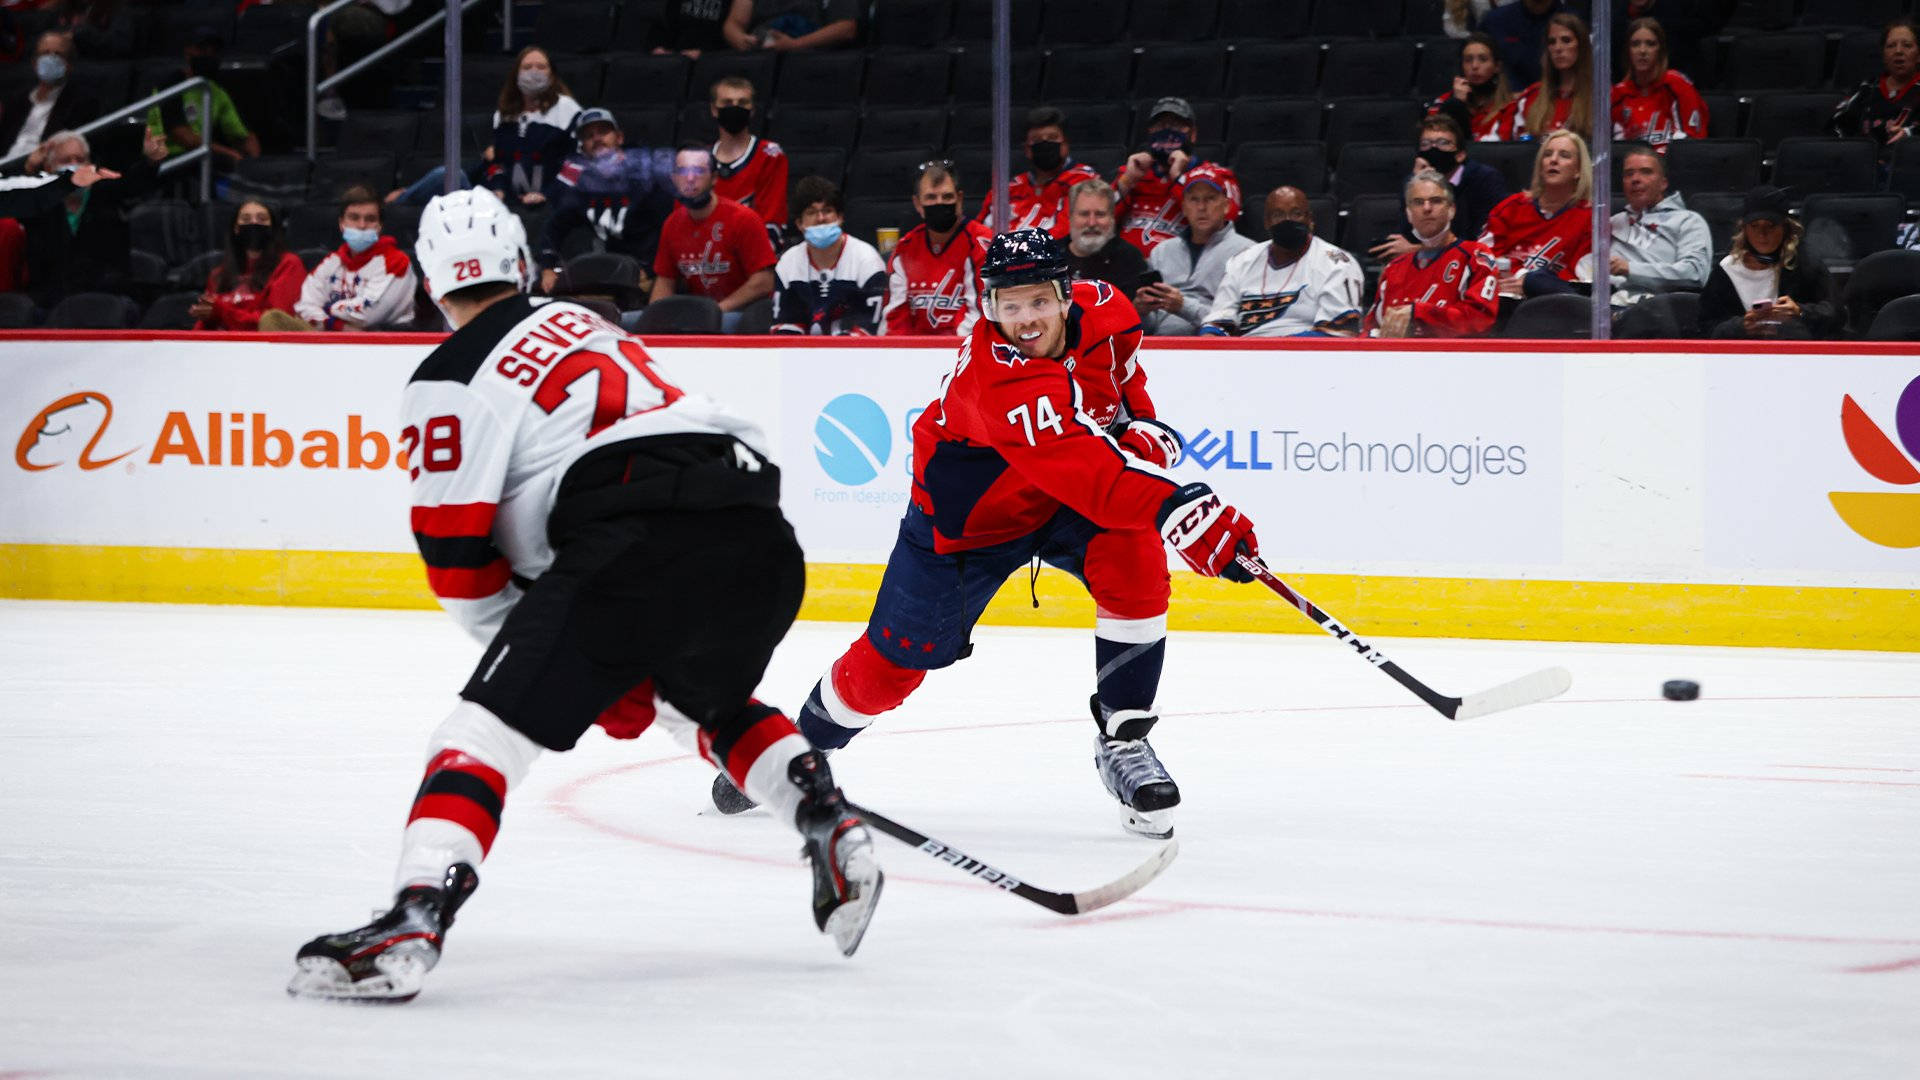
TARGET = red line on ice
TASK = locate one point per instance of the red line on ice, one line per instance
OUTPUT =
(1878, 969)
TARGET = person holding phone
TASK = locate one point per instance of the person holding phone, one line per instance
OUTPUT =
(1769, 286)
(1191, 264)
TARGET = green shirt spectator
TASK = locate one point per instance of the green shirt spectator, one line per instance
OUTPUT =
(178, 119)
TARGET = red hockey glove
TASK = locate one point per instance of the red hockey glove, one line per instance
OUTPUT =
(1152, 442)
(631, 715)
(1207, 532)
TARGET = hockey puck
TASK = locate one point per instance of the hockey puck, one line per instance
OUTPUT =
(1680, 689)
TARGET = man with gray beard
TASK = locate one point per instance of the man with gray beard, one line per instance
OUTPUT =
(1095, 249)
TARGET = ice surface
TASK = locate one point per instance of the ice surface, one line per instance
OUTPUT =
(1608, 885)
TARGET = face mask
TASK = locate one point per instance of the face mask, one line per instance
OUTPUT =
(1046, 155)
(699, 203)
(1162, 144)
(1290, 234)
(1434, 240)
(532, 82)
(67, 168)
(1443, 161)
(941, 217)
(359, 240)
(255, 237)
(822, 236)
(1766, 259)
(203, 67)
(51, 69)
(733, 118)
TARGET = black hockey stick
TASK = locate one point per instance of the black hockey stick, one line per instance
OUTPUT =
(1075, 903)
(1539, 686)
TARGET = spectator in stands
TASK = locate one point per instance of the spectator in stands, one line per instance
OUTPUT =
(1190, 265)
(1563, 98)
(1038, 199)
(1148, 185)
(1294, 285)
(1686, 24)
(1768, 286)
(622, 196)
(1549, 225)
(1655, 104)
(830, 283)
(1658, 244)
(1480, 95)
(933, 275)
(53, 104)
(711, 245)
(1887, 109)
(1459, 17)
(688, 27)
(1519, 31)
(1473, 189)
(1446, 287)
(353, 32)
(1095, 247)
(80, 243)
(532, 132)
(792, 25)
(178, 118)
(256, 275)
(747, 169)
(366, 284)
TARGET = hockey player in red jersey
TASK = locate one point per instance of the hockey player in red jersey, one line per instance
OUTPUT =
(1038, 199)
(1042, 444)
(1446, 287)
(616, 544)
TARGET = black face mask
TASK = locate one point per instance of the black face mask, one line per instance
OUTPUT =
(1443, 161)
(253, 237)
(1162, 144)
(1765, 258)
(1047, 155)
(1290, 234)
(203, 67)
(941, 217)
(695, 204)
(733, 118)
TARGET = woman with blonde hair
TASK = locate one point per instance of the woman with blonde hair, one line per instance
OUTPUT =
(1655, 104)
(1546, 228)
(1563, 98)
(1769, 286)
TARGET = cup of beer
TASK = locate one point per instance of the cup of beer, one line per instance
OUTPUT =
(886, 238)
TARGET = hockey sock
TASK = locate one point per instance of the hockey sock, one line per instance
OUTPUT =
(474, 759)
(1127, 657)
(860, 686)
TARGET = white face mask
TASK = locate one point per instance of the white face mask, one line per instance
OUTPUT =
(533, 82)
(50, 69)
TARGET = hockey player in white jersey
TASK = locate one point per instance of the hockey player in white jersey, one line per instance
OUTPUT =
(616, 543)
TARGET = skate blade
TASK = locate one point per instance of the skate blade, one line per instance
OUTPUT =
(847, 925)
(319, 978)
(1153, 824)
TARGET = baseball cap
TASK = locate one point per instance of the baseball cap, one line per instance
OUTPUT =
(1172, 106)
(594, 116)
(1765, 204)
(1218, 177)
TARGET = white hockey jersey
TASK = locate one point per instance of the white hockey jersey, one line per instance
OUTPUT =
(494, 419)
(1318, 294)
(845, 298)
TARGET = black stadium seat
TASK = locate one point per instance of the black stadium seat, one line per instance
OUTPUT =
(649, 126)
(1274, 120)
(1372, 120)
(1905, 178)
(1082, 22)
(574, 26)
(168, 228)
(1438, 64)
(1898, 321)
(884, 128)
(93, 311)
(18, 312)
(1759, 14)
(1777, 116)
(973, 21)
(1808, 165)
(647, 80)
(1713, 164)
(1263, 166)
(814, 125)
(1878, 280)
(1776, 62)
(1371, 168)
(1091, 73)
(680, 315)
(1357, 18)
(1665, 316)
(910, 24)
(333, 175)
(1514, 160)
(1172, 20)
(1368, 68)
(169, 312)
(822, 78)
(827, 162)
(1843, 229)
(1189, 71)
(1857, 58)
(1847, 14)
(756, 68)
(1722, 210)
(379, 133)
(1094, 122)
(1723, 114)
(973, 73)
(1566, 315)
(1272, 19)
(972, 125)
(908, 78)
(1369, 220)
(314, 225)
(193, 273)
(1274, 69)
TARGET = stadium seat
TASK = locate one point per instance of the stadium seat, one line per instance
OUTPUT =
(146, 271)
(1905, 177)
(93, 311)
(1782, 116)
(1712, 164)
(973, 73)
(284, 174)
(1088, 73)
(379, 133)
(1210, 117)
(583, 74)
(1358, 18)
(481, 78)
(820, 78)
(1353, 120)
(18, 311)
(1263, 166)
(1807, 165)
(169, 312)
(1723, 114)
(173, 29)
(1722, 210)
(908, 78)
(1106, 158)
(1083, 22)
(333, 175)
(1564, 315)
(910, 24)
(884, 128)
(974, 165)
(403, 224)
(1272, 19)
(973, 21)
(1190, 71)
(1843, 229)
(647, 80)
(887, 173)
(310, 257)
(192, 274)
(1898, 321)
(680, 315)
(264, 29)
(972, 125)
(868, 214)
(1760, 14)
(1665, 316)
(697, 124)
(814, 125)
(828, 162)
(1370, 219)
(1878, 280)
(112, 80)
(1370, 168)
(602, 273)
(1438, 63)
(1088, 122)
(1776, 62)
(756, 68)
(1850, 14)
(650, 126)
(1274, 69)
(574, 26)
(1368, 68)
(1423, 18)
(168, 228)
(1513, 160)
(1857, 58)
(314, 225)
(1172, 20)
(1274, 119)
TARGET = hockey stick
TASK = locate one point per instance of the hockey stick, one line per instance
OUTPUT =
(1075, 903)
(1539, 686)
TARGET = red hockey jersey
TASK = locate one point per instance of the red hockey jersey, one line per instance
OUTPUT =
(716, 254)
(1012, 438)
(1493, 124)
(758, 181)
(1669, 109)
(1042, 206)
(1516, 123)
(935, 292)
(1454, 291)
(1518, 231)
(1151, 212)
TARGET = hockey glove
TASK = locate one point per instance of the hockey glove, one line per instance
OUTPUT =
(1151, 441)
(1207, 532)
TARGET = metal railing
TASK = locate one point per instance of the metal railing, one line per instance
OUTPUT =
(316, 86)
(202, 153)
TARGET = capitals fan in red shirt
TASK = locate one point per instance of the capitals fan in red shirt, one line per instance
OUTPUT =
(933, 285)
(1550, 225)
(1149, 184)
(748, 169)
(1655, 104)
(1043, 444)
(1038, 199)
(1446, 287)
(711, 246)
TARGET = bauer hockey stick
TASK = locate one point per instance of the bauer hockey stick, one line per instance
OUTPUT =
(1539, 686)
(1074, 903)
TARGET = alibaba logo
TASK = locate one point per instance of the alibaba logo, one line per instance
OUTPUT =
(51, 436)
(1888, 518)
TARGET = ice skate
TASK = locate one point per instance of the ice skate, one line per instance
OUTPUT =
(846, 877)
(1133, 774)
(728, 799)
(386, 961)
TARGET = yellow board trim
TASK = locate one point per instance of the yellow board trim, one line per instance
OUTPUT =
(1639, 612)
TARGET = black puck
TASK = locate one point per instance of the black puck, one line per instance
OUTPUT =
(1680, 689)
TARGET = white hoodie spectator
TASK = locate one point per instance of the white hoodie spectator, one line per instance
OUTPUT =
(1658, 244)
(365, 284)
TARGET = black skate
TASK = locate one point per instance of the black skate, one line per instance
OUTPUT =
(1133, 774)
(728, 799)
(846, 878)
(386, 961)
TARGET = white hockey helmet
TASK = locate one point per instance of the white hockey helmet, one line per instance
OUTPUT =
(469, 237)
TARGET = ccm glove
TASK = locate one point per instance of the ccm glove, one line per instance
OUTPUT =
(1152, 442)
(1207, 532)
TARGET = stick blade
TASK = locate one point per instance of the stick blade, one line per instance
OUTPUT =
(1115, 891)
(1525, 690)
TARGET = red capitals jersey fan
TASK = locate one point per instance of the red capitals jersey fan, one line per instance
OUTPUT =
(714, 255)
(757, 180)
(1150, 214)
(1012, 438)
(935, 292)
(1517, 230)
(1669, 109)
(1454, 291)
(1040, 206)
